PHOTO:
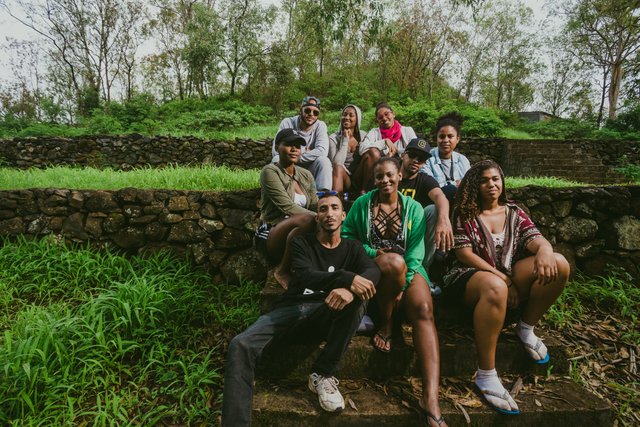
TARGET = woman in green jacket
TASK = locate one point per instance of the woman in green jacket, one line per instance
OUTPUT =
(391, 227)
(289, 199)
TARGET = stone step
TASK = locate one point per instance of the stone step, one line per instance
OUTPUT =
(554, 402)
(457, 357)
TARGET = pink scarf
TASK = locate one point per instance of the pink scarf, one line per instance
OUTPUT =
(394, 133)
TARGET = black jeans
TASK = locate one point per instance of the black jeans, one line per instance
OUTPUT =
(247, 347)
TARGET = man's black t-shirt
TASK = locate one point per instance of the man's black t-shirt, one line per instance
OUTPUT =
(418, 188)
(317, 270)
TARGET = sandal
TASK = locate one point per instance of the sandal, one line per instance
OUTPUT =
(425, 415)
(534, 350)
(504, 396)
(385, 339)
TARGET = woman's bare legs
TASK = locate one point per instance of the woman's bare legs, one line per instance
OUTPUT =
(278, 242)
(539, 297)
(486, 293)
(418, 307)
(341, 179)
(394, 270)
(363, 175)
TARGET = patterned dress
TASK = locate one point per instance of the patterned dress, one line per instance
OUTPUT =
(518, 232)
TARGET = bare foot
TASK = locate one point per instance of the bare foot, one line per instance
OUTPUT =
(431, 414)
(382, 339)
(282, 277)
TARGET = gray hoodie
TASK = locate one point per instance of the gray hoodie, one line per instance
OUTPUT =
(339, 145)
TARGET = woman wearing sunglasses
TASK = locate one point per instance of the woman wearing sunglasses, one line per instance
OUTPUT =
(390, 138)
(289, 199)
(391, 228)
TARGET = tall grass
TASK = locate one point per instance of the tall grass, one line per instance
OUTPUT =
(95, 338)
(174, 177)
(204, 177)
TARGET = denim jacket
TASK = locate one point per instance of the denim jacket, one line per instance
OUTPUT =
(433, 167)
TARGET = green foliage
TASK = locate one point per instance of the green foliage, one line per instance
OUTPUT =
(203, 177)
(630, 170)
(93, 337)
(559, 129)
(616, 293)
(478, 121)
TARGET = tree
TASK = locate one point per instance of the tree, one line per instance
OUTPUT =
(89, 39)
(605, 34)
(567, 88)
(245, 22)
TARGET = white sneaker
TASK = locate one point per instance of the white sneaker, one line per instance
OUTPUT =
(327, 390)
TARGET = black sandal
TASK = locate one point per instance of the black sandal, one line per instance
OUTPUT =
(425, 415)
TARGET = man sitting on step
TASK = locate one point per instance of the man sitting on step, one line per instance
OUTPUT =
(332, 280)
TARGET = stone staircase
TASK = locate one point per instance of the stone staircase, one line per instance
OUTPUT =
(563, 159)
(377, 387)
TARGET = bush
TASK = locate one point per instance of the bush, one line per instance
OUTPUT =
(478, 121)
(560, 129)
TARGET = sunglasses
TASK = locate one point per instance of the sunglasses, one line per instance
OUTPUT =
(308, 111)
(326, 193)
(414, 155)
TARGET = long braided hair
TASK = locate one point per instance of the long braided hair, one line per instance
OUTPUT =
(467, 204)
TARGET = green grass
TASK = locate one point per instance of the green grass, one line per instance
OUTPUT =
(174, 177)
(616, 294)
(542, 181)
(95, 338)
(510, 133)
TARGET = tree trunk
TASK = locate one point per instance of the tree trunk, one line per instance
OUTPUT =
(614, 89)
(602, 97)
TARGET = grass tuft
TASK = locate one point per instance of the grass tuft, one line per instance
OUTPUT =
(93, 337)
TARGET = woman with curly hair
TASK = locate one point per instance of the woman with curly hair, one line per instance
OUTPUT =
(501, 261)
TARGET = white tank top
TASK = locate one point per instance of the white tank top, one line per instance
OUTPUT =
(300, 199)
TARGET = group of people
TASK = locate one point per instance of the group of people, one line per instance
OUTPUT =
(336, 266)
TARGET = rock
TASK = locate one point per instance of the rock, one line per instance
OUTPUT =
(13, 226)
(178, 204)
(207, 210)
(200, 251)
(627, 232)
(245, 265)
(113, 223)
(187, 232)
(575, 230)
(562, 208)
(155, 232)
(5, 214)
(54, 211)
(76, 200)
(55, 200)
(217, 257)
(236, 218)
(230, 238)
(590, 249)
(153, 208)
(93, 226)
(73, 227)
(101, 201)
(145, 219)
(584, 210)
(132, 211)
(210, 225)
(170, 218)
(129, 238)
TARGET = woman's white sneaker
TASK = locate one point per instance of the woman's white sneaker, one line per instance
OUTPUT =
(327, 390)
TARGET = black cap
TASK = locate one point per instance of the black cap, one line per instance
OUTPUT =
(420, 145)
(289, 136)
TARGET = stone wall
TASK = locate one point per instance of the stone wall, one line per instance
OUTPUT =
(128, 151)
(592, 226)
(591, 161)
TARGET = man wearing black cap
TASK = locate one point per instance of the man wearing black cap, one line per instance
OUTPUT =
(314, 131)
(424, 189)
